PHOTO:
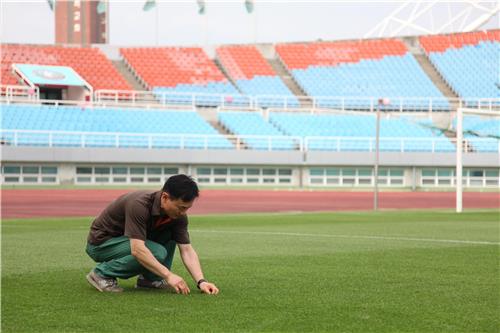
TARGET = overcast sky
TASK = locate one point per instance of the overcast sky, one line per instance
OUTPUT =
(227, 22)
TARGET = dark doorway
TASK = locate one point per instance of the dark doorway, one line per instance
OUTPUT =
(50, 93)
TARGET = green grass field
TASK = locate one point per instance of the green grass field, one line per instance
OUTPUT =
(333, 272)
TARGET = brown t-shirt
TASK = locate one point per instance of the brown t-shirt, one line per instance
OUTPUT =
(135, 215)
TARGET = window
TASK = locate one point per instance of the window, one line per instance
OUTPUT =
(49, 170)
(154, 171)
(332, 172)
(204, 171)
(285, 172)
(236, 171)
(268, 172)
(171, 171)
(137, 171)
(120, 170)
(102, 170)
(11, 169)
(316, 172)
(30, 170)
(83, 170)
(253, 172)
(220, 171)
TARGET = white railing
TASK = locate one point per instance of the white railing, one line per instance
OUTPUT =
(156, 99)
(239, 142)
(170, 98)
(16, 92)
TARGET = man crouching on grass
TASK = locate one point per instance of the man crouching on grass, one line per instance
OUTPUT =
(137, 234)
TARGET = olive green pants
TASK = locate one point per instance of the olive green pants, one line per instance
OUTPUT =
(115, 259)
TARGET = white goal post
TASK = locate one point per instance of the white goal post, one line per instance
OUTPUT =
(460, 148)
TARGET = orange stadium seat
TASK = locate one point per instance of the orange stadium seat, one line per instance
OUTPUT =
(90, 63)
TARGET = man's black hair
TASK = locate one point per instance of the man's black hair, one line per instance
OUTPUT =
(181, 187)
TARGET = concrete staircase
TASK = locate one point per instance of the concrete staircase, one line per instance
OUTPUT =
(430, 71)
(127, 74)
(289, 82)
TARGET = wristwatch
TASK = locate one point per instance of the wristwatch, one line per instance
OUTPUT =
(200, 281)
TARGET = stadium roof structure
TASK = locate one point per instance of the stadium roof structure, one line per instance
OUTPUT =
(435, 17)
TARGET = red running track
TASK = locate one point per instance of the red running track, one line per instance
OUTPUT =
(22, 203)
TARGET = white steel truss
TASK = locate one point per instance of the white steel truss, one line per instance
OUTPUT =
(435, 17)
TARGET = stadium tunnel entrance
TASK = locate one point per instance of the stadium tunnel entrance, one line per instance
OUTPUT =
(54, 82)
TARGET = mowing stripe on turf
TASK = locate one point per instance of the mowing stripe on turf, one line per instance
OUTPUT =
(411, 239)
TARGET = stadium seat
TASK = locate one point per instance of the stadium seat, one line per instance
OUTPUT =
(468, 63)
(255, 77)
(108, 127)
(357, 133)
(351, 75)
(90, 63)
(176, 75)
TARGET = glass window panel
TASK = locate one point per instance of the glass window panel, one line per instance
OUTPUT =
(219, 180)
(253, 172)
(102, 179)
(204, 180)
(171, 171)
(236, 180)
(154, 171)
(492, 173)
(333, 181)
(428, 172)
(11, 179)
(382, 181)
(348, 172)
(119, 179)
(383, 172)
(31, 169)
(204, 171)
(364, 181)
(444, 173)
(397, 172)
(154, 179)
(268, 172)
(252, 180)
(492, 182)
(269, 180)
(316, 172)
(137, 179)
(11, 169)
(83, 170)
(428, 181)
(236, 171)
(396, 182)
(30, 179)
(285, 180)
(445, 181)
(476, 173)
(220, 171)
(316, 180)
(285, 172)
(364, 172)
(49, 170)
(119, 170)
(476, 182)
(49, 179)
(137, 171)
(332, 172)
(348, 181)
(102, 170)
(83, 179)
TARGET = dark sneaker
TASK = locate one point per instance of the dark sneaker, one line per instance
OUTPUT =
(160, 284)
(103, 284)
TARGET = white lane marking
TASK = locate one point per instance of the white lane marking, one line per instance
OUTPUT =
(412, 239)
